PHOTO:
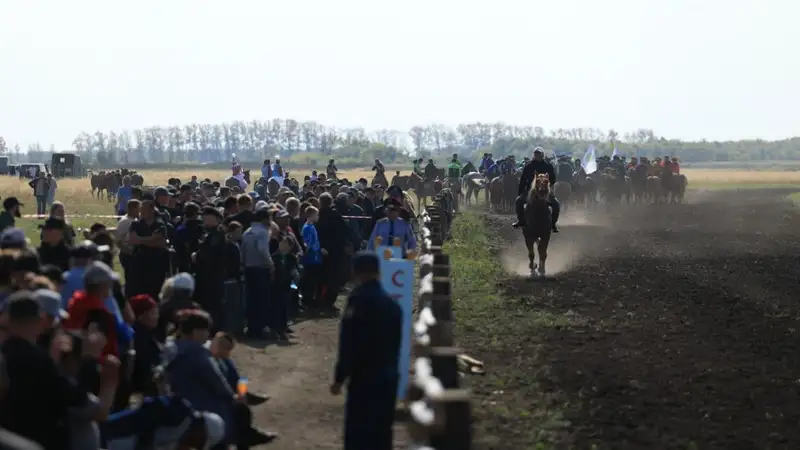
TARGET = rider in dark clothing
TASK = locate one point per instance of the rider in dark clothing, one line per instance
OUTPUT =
(536, 166)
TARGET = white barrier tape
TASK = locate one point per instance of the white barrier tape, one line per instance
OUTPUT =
(73, 216)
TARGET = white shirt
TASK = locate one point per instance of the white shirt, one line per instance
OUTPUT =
(123, 231)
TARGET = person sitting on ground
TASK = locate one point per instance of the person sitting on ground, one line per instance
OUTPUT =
(193, 374)
(221, 347)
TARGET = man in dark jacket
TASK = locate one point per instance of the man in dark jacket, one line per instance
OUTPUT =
(369, 346)
(10, 213)
(54, 249)
(210, 260)
(188, 236)
(537, 166)
(333, 233)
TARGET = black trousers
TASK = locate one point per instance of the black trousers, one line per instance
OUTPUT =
(309, 284)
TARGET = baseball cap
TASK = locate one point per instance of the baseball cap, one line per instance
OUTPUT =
(86, 249)
(11, 202)
(13, 238)
(99, 272)
(366, 262)
(281, 213)
(184, 281)
(50, 302)
(54, 223)
(160, 190)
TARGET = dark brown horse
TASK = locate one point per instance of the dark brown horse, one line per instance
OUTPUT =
(538, 223)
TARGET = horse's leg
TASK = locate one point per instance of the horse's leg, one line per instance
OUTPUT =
(529, 241)
(542, 247)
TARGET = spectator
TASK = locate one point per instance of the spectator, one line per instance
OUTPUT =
(57, 211)
(278, 302)
(188, 236)
(147, 347)
(51, 191)
(194, 375)
(39, 396)
(211, 252)
(148, 237)
(11, 212)
(53, 248)
(124, 195)
(176, 295)
(259, 271)
(122, 232)
(333, 237)
(246, 435)
(40, 187)
(312, 259)
(234, 277)
(13, 238)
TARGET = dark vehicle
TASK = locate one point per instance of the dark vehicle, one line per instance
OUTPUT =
(66, 165)
(4, 165)
(31, 170)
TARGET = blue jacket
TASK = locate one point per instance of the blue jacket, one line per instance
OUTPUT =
(402, 230)
(194, 375)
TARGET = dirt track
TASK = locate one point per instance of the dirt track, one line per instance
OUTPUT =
(683, 326)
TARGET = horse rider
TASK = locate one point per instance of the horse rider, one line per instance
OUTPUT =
(454, 168)
(537, 166)
(430, 171)
(330, 169)
(486, 163)
(418, 166)
(378, 168)
(277, 170)
(468, 168)
(676, 168)
(508, 165)
(266, 170)
(566, 170)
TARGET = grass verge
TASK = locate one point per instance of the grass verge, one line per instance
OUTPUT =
(501, 330)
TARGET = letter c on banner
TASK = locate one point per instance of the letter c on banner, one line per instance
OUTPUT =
(394, 278)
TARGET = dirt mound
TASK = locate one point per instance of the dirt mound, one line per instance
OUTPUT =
(676, 325)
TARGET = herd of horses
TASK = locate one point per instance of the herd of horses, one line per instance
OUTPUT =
(604, 187)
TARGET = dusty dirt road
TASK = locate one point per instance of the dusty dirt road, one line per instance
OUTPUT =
(681, 329)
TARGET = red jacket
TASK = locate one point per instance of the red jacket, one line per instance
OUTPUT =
(82, 309)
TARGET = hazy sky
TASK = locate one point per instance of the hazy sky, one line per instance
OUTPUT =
(719, 69)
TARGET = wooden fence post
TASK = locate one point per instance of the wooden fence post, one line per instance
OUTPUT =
(439, 412)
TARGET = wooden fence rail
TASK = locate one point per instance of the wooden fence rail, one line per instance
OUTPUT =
(439, 414)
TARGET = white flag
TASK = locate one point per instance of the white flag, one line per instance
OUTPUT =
(589, 161)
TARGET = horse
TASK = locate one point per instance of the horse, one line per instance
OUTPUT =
(474, 182)
(563, 191)
(538, 223)
(380, 178)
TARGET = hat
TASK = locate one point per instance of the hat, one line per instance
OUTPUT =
(141, 304)
(13, 238)
(54, 223)
(254, 195)
(50, 302)
(366, 262)
(86, 249)
(161, 190)
(211, 211)
(99, 272)
(21, 305)
(281, 214)
(261, 214)
(183, 281)
(11, 202)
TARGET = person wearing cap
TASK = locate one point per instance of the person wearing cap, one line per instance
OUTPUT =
(193, 374)
(10, 213)
(537, 166)
(176, 295)
(54, 249)
(210, 266)
(369, 346)
(40, 187)
(13, 238)
(91, 305)
(150, 257)
(147, 347)
(391, 227)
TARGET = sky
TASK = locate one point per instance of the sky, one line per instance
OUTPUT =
(689, 69)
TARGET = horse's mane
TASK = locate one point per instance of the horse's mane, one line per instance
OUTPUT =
(541, 179)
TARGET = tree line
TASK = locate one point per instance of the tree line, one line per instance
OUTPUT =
(311, 143)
